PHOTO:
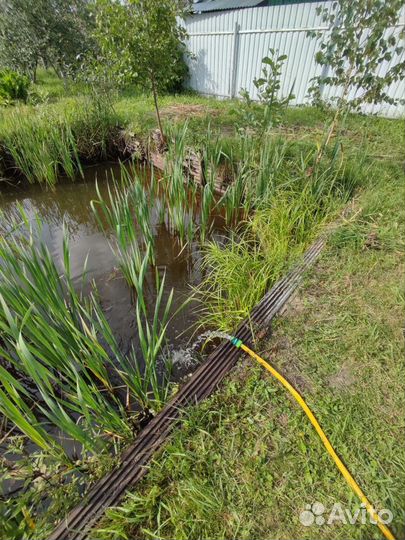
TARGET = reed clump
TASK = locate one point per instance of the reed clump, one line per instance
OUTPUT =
(45, 143)
(283, 204)
(62, 357)
(126, 215)
(41, 145)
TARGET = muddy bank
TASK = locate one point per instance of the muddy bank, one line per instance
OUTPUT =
(121, 144)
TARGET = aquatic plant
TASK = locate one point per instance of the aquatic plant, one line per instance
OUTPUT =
(62, 356)
(126, 201)
(282, 217)
(212, 157)
(179, 193)
(47, 338)
(143, 379)
(42, 145)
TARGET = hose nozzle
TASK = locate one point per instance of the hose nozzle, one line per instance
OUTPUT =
(236, 341)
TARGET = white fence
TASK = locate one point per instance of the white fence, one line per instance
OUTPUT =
(227, 48)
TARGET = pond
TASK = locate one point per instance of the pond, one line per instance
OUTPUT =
(69, 204)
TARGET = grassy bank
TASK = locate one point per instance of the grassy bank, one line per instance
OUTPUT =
(247, 462)
(67, 126)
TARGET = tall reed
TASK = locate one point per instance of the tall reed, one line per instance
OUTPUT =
(126, 205)
(179, 196)
(41, 144)
(47, 141)
(212, 158)
(48, 339)
(62, 353)
(283, 216)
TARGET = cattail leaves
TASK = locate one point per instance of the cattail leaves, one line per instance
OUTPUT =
(60, 343)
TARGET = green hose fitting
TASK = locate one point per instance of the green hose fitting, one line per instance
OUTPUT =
(236, 341)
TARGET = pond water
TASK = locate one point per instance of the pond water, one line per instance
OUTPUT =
(69, 203)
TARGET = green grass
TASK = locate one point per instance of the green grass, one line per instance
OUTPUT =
(247, 461)
(285, 207)
(49, 140)
(134, 112)
(50, 85)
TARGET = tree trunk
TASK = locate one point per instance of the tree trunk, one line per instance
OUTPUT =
(328, 137)
(155, 99)
(343, 105)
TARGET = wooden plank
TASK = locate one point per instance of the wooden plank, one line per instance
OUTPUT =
(110, 489)
(192, 164)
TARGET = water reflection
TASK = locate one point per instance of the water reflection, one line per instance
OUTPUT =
(69, 203)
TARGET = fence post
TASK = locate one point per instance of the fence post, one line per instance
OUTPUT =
(234, 61)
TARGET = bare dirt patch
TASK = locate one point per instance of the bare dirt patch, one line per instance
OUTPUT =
(184, 111)
(343, 378)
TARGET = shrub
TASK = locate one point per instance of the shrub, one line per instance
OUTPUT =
(262, 117)
(13, 86)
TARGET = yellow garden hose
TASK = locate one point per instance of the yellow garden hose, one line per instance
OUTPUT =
(340, 465)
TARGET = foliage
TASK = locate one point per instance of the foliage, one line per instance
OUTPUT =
(363, 39)
(61, 342)
(268, 114)
(144, 41)
(246, 460)
(45, 142)
(180, 197)
(38, 490)
(49, 339)
(52, 33)
(41, 146)
(126, 199)
(284, 209)
(94, 124)
(13, 86)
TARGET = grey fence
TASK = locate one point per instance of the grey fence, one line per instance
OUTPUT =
(227, 48)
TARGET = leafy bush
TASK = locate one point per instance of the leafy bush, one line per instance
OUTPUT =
(263, 116)
(13, 86)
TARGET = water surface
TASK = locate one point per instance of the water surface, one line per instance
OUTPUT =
(69, 203)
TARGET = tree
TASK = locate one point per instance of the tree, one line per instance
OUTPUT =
(53, 32)
(364, 34)
(146, 42)
(265, 116)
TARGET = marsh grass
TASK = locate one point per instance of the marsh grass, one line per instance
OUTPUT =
(126, 213)
(42, 146)
(43, 143)
(213, 156)
(49, 340)
(94, 124)
(281, 217)
(179, 194)
(60, 343)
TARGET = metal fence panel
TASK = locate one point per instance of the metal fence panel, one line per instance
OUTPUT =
(227, 47)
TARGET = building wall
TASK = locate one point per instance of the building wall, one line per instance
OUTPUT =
(227, 48)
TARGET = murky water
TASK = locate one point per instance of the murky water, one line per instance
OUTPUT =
(70, 203)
